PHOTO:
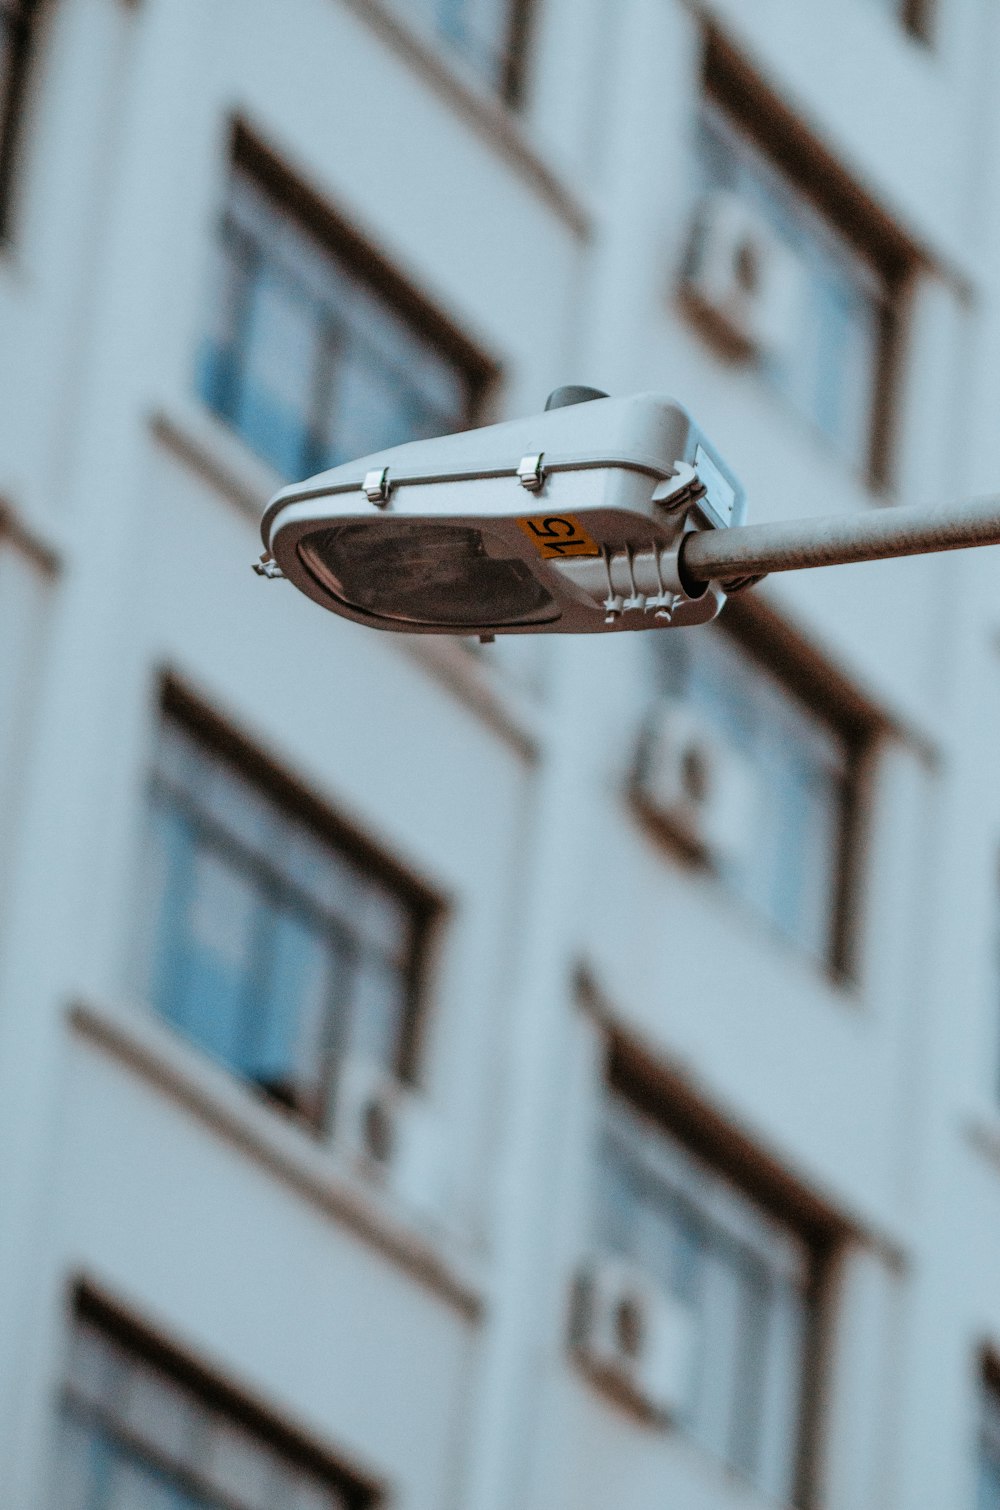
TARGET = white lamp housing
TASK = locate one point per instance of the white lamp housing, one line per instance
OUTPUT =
(568, 521)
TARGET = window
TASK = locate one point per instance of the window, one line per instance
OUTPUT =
(15, 36)
(274, 941)
(989, 1441)
(831, 354)
(141, 1430)
(314, 354)
(803, 758)
(747, 1280)
(489, 35)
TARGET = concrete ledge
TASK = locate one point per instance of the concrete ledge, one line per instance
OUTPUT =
(235, 1112)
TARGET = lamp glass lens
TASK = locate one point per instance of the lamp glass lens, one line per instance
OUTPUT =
(425, 571)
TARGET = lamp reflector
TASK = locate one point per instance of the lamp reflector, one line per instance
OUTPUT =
(429, 571)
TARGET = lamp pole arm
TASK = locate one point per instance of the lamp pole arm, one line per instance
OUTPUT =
(751, 551)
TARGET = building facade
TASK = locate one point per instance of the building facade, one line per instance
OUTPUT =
(554, 1073)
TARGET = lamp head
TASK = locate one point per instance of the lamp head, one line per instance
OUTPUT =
(566, 522)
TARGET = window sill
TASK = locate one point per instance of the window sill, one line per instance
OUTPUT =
(217, 454)
(149, 1048)
(483, 109)
(814, 970)
(208, 445)
(36, 535)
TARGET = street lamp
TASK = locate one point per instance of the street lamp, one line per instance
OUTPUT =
(570, 521)
(599, 515)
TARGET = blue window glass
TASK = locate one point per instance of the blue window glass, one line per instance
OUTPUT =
(269, 945)
(743, 1276)
(307, 356)
(135, 1436)
(831, 364)
(803, 767)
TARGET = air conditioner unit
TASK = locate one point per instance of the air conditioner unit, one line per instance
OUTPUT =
(692, 783)
(390, 1135)
(743, 278)
(633, 1337)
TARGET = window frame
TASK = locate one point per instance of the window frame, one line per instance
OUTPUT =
(513, 90)
(918, 17)
(22, 19)
(179, 707)
(787, 151)
(90, 1306)
(661, 1094)
(988, 1426)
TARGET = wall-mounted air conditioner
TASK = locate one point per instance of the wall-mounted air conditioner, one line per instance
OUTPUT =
(689, 781)
(633, 1337)
(742, 278)
(387, 1131)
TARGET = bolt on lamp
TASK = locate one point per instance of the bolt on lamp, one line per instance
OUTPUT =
(597, 516)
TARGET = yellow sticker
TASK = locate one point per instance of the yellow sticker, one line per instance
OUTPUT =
(559, 535)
